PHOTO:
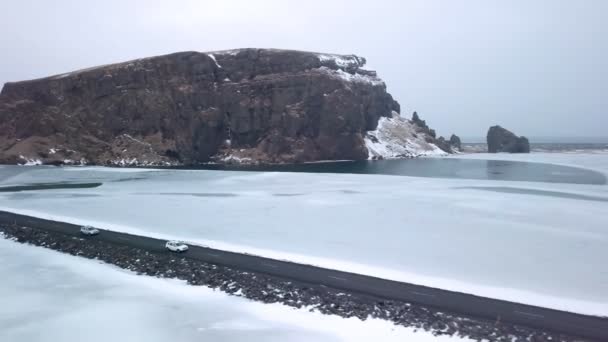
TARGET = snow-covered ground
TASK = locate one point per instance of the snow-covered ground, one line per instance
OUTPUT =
(396, 137)
(49, 296)
(540, 243)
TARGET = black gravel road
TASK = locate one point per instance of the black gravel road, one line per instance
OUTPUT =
(492, 313)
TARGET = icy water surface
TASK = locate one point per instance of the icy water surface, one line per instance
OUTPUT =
(421, 167)
(441, 168)
(541, 242)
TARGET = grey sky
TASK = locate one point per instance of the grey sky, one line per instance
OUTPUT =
(538, 67)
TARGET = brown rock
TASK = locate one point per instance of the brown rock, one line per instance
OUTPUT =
(191, 107)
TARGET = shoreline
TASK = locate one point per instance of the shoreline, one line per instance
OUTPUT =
(271, 289)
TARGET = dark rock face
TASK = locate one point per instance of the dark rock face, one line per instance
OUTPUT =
(455, 142)
(443, 144)
(502, 140)
(248, 105)
(423, 126)
(450, 146)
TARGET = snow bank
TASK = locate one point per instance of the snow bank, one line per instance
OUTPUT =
(515, 295)
(396, 137)
(59, 292)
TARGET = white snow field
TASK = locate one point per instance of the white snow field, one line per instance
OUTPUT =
(544, 244)
(50, 296)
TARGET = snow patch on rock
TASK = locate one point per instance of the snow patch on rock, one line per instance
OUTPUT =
(341, 74)
(396, 137)
(232, 159)
(342, 61)
(231, 52)
(29, 161)
(134, 162)
(214, 60)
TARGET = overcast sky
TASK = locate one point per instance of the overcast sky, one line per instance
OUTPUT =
(538, 67)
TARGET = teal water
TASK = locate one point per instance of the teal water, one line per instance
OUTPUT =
(438, 168)
(48, 186)
(420, 167)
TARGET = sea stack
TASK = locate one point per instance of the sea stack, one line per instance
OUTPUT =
(502, 140)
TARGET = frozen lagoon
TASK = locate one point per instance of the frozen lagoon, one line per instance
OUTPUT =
(534, 242)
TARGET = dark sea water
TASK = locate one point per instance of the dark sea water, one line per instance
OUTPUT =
(48, 186)
(419, 167)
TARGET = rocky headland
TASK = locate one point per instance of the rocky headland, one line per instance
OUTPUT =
(186, 108)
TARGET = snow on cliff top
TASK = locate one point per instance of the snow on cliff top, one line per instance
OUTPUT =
(343, 75)
(342, 61)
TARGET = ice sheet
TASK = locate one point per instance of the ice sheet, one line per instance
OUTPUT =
(522, 246)
(49, 296)
(597, 161)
